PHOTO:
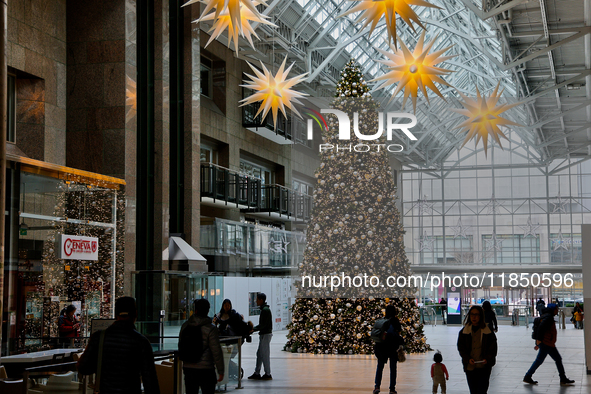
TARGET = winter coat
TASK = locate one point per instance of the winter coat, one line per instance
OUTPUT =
(127, 357)
(547, 329)
(389, 347)
(232, 325)
(489, 345)
(66, 327)
(212, 356)
(265, 325)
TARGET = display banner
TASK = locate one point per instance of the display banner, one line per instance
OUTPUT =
(74, 247)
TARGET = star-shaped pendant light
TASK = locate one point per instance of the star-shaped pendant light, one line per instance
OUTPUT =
(275, 91)
(414, 71)
(236, 15)
(484, 117)
(244, 29)
(373, 10)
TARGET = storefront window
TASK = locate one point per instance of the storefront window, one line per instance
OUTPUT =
(68, 248)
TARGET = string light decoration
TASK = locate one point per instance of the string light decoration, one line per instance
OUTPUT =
(80, 208)
(235, 15)
(373, 10)
(414, 71)
(275, 91)
(354, 227)
(484, 117)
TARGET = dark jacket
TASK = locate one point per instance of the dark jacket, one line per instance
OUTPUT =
(265, 325)
(489, 345)
(490, 317)
(232, 326)
(389, 347)
(547, 328)
(66, 327)
(127, 357)
(212, 356)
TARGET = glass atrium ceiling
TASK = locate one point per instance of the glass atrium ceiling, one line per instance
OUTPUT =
(495, 41)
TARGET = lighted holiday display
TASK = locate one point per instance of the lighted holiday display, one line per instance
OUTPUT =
(414, 71)
(79, 209)
(235, 15)
(484, 117)
(373, 10)
(244, 29)
(275, 91)
(355, 228)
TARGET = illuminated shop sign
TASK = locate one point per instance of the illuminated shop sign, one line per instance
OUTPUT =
(74, 247)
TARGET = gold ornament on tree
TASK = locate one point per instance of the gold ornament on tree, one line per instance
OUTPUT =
(373, 10)
(414, 71)
(275, 91)
(484, 117)
(235, 15)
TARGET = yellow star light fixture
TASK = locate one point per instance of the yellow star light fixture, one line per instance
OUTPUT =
(236, 15)
(373, 10)
(414, 71)
(244, 29)
(275, 91)
(484, 117)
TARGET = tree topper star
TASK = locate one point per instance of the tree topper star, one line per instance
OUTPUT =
(484, 117)
(414, 71)
(373, 10)
(273, 90)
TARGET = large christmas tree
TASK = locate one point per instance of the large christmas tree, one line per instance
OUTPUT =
(355, 229)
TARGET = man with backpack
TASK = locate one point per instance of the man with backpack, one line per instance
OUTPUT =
(545, 336)
(200, 351)
(387, 339)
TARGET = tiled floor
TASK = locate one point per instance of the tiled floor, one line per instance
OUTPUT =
(304, 373)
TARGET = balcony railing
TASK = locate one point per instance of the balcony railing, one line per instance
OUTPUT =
(249, 121)
(223, 184)
(219, 183)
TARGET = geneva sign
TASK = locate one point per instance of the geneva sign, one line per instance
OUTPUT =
(74, 247)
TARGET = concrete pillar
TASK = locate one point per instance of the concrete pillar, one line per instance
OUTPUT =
(586, 233)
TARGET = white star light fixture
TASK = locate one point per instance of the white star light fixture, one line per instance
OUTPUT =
(493, 243)
(530, 229)
(275, 91)
(373, 10)
(484, 118)
(414, 71)
(560, 205)
(424, 207)
(560, 242)
(459, 230)
(493, 205)
(425, 242)
(235, 15)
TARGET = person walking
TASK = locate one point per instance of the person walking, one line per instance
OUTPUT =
(387, 349)
(200, 373)
(490, 317)
(121, 357)
(477, 346)
(439, 373)
(540, 305)
(265, 329)
(545, 335)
